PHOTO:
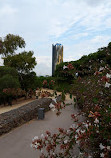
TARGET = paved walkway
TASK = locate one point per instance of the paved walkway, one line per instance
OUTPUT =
(16, 144)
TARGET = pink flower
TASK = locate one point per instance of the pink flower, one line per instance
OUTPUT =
(70, 66)
(45, 82)
(104, 78)
(97, 73)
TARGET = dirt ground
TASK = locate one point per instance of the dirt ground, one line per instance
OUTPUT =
(20, 102)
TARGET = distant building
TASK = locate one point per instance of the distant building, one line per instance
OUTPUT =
(57, 56)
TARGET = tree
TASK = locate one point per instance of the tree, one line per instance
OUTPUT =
(28, 81)
(8, 78)
(8, 70)
(8, 81)
(7, 84)
(23, 62)
(10, 44)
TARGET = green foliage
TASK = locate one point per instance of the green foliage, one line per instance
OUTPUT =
(23, 62)
(17, 71)
(66, 75)
(28, 81)
(8, 70)
(63, 96)
(62, 86)
(70, 96)
(8, 81)
(95, 100)
(40, 79)
(10, 44)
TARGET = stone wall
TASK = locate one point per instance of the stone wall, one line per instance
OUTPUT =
(16, 117)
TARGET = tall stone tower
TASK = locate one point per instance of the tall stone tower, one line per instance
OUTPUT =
(57, 56)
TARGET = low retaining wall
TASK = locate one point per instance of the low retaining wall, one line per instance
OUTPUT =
(16, 117)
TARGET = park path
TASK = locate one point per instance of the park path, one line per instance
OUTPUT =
(16, 144)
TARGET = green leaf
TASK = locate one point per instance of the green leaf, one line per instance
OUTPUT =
(70, 96)
(63, 96)
(95, 100)
(75, 100)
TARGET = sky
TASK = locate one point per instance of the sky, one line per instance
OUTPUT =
(81, 26)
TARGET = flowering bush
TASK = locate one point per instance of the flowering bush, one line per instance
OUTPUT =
(45, 83)
(52, 82)
(15, 92)
(70, 66)
(9, 94)
(93, 135)
(48, 84)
